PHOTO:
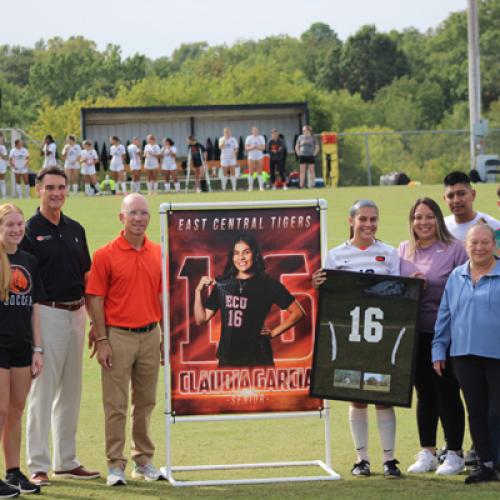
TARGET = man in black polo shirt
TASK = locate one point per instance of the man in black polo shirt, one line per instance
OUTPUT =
(60, 246)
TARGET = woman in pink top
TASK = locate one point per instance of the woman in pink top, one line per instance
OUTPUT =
(432, 253)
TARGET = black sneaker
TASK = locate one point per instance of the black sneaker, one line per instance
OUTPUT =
(391, 469)
(19, 481)
(362, 468)
(482, 474)
(7, 491)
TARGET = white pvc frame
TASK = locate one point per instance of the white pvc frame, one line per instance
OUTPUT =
(188, 173)
(326, 466)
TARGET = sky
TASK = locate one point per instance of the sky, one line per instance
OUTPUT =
(156, 27)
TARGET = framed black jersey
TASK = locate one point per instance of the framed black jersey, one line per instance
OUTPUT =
(366, 338)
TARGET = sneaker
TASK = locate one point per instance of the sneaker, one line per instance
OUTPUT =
(79, 472)
(453, 464)
(40, 478)
(21, 483)
(471, 458)
(391, 469)
(426, 462)
(7, 491)
(148, 472)
(482, 474)
(441, 454)
(362, 468)
(116, 477)
(284, 187)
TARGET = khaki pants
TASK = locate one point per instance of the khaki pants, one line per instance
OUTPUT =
(54, 400)
(135, 366)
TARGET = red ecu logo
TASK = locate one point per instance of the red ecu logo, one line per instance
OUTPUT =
(380, 258)
(20, 282)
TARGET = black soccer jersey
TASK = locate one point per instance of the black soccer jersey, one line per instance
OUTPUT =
(244, 306)
(25, 290)
(196, 150)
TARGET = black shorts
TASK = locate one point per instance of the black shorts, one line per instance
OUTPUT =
(15, 357)
(309, 160)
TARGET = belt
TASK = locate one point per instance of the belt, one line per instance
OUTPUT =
(67, 306)
(141, 329)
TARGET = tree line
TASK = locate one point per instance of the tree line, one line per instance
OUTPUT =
(400, 80)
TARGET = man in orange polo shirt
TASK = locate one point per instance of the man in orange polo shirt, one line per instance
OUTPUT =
(124, 296)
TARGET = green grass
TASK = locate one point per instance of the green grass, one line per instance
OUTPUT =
(238, 442)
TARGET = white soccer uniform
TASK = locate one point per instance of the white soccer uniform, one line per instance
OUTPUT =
(459, 230)
(150, 151)
(378, 258)
(255, 140)
(116, 153)
(72, 153)
(88, 158)
(228, 148)
(168, 162)
(49, 151)
(19, 158)
(3, 163)
(135, 156)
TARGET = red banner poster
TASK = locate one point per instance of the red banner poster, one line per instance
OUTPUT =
(244, 341)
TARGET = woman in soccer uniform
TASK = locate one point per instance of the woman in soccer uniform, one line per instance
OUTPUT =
(48, 151)
(117, 165)
(306, 149)
(152, 153)
(71, 155)
(19, 159)
(134, 153)
(20, 343)
(3, 166)
(197, 156)
(169, 165)
(245, 294)
(254, 146)
(228, 150)
(89, 159)
(364, 254)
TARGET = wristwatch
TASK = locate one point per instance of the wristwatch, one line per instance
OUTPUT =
(37, 349)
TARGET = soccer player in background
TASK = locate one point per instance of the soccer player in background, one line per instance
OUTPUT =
(152, 154)
(71, 154)
(169, 165)
(228, 150)
(254, 146)
(117, 165)
(19, 159)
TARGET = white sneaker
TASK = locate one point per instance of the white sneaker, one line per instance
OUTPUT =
(426, 462)
(116, 477)
(453, 464)
(148, 472)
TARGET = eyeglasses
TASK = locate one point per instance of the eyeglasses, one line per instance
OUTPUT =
(137, 213)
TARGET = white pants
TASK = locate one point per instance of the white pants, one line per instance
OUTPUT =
(54, 400)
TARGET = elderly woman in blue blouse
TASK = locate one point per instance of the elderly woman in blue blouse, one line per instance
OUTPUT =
(468, 326)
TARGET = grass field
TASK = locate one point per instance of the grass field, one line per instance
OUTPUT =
(258, 441)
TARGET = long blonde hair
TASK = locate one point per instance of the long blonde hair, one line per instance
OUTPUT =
(5, 274)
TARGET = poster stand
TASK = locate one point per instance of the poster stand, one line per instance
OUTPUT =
(327, 473)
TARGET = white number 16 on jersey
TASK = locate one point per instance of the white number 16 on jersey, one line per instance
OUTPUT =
(373, 329)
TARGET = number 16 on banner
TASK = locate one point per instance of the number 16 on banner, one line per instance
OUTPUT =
(365, 338)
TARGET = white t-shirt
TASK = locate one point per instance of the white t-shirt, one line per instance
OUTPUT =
(116, 153)
(19, 157)
(150, 152)
(49, 151)
(72, 153)
(378, 258)
(459, 230)
(255, 140)
(228, 147)
(168, 162)
(135, 156)
(3, 163)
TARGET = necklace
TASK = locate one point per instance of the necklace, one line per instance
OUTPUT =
(242, 284)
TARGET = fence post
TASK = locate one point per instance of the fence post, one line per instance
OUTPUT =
(368, 160)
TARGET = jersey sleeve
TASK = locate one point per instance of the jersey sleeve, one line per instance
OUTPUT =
(213, 302)
(281, 296)
(330, 260)
(394, 263)
(38, 290)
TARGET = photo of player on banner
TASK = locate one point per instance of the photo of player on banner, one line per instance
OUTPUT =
(365, 338)
(242, 309)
